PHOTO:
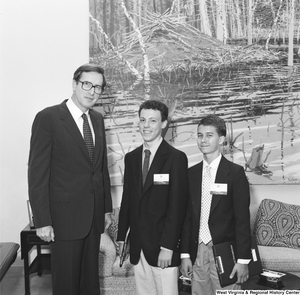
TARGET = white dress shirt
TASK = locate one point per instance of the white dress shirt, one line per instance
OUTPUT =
(76, 114)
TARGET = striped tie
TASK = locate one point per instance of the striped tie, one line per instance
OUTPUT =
(88, 138)
(146, 165)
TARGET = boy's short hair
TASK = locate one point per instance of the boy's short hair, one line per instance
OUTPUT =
(215, 121)
(155, 105)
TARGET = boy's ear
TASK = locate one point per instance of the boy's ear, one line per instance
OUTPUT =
(164, 124)
(222, 140)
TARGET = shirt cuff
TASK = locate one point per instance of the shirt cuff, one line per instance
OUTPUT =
(243, 261)
(163, 248)
(184, 255)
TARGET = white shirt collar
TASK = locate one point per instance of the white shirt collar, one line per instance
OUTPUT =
(154, 148)
(214, 164)
(74, 110)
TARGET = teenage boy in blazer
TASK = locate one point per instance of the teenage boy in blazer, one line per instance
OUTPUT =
(228, 216)
(69, 189)
(154, 212)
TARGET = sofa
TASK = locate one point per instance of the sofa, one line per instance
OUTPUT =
(114, 279)
(276, 226)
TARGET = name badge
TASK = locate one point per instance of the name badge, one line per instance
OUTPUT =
(219, 189)
(161, 179)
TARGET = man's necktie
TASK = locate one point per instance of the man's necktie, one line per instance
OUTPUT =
(88, 138)
(204, 233)
(146, 164)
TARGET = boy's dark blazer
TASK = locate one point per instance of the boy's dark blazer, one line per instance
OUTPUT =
(65, 189)
(154, 213)
(229, 214)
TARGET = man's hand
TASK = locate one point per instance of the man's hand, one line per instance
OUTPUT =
(107, 219)
(186, 267)
(46, 233)
(242, 272)
(164, 258)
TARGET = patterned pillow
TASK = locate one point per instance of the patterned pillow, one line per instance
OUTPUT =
(278, 224)
(113, 228)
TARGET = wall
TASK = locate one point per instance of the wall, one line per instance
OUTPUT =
(42, 43)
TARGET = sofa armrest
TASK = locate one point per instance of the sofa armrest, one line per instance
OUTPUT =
(107, 255)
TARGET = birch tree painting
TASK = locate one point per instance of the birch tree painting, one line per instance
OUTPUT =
(238, 59)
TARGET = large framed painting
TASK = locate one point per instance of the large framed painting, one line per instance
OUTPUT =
(238, 59)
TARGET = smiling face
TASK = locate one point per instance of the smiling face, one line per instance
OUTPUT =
(83, 99)
(209, 142)
(151, 126)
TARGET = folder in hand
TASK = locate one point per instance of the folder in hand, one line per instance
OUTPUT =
(225, 259)
(125, 251)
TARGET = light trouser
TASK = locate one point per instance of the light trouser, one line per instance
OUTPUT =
(152, 280)
(205, 277)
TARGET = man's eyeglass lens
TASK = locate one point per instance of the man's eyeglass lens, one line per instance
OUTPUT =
(87, 86)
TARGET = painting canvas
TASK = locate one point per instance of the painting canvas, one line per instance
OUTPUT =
(238, 59)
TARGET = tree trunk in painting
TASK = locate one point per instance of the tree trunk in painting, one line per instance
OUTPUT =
(104, 25)
(205, 24)
(250, 17)
(126, 19)
(112, 23)
(291, 33)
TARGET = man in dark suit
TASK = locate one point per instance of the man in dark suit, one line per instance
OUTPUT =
(218, 211)
(155, 211)
(69, 185)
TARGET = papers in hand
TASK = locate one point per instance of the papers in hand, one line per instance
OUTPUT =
(225, 260)
(125, 250)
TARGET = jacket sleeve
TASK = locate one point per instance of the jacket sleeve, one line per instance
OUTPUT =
(106, 178)
(39, 169)
(177, 205)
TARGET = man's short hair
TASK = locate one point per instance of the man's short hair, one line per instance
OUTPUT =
(86, 68)
(215, 121)
(155, 105)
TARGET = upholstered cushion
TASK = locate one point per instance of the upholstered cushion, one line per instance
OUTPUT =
(281, 259)
(126, 269)
(278, 224)
(107, 256)
(113, 228)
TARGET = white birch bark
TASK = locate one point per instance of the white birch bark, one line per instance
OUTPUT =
(291, 33)
(142, 46)
(204, 18)
(130, 66)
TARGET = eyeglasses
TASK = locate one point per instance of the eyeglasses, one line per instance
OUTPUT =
(87, 86)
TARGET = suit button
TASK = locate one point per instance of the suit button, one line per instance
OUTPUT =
(93, 173)
(92, 191)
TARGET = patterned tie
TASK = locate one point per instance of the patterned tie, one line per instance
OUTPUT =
(146, 164)
(204, 233)
(88, 138)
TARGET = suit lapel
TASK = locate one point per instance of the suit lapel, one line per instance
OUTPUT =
(221, 177)
(97, 126)
(195, 189)
(71, 126)
(156, 164)
(137, 166)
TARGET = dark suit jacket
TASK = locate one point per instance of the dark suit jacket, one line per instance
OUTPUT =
(155, 213)
(65, 189)
(229, 214)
